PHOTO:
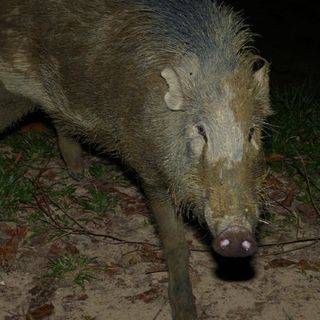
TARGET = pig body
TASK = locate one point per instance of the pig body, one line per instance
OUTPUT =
(170, 87)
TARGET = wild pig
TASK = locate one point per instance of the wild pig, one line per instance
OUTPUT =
(170, 87)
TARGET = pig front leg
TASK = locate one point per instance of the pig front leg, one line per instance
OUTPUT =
(171, 231)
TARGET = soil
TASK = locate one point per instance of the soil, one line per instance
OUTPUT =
(127, 275)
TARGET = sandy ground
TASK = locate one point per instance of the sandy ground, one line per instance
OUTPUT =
(129, 275)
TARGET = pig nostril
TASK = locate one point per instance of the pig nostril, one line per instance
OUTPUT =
(224, 243)
(246, 245)
(235, 242)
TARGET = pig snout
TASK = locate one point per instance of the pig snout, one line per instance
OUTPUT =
(235, 241)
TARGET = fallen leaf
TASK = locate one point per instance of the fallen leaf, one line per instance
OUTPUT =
(276, 195)
(69, 297)
(287, 202)
(8, 250)
(150, 254)
(204, 316)
(20, 233)
(307, 265)
(273, 183)
(71, 248)
(112, 269)
(55, 250)
(40, 312)
(34, 127)
(9, 247)
(146, 296)
(279, 263)
(308, 211)
(272, 157)
(82, 297)
(18, 158)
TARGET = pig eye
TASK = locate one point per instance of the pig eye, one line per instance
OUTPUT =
(202, 133)
(251, 133)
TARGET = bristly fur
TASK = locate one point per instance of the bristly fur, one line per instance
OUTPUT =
(140, 78)
(189, 26)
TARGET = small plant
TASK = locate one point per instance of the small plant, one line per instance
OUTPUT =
(108, 172)
(98, 201)
(296, 124)
(99, 170)
(15, 189)
(21, 153)
(79, 268)
(33, 145)
(296, 137)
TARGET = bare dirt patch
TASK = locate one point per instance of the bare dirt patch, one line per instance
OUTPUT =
(76, 260)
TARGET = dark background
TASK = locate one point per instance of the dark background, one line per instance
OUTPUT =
(289, 37)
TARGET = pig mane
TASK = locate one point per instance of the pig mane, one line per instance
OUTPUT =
(210, 30)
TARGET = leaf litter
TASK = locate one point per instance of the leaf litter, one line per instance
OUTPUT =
(121, 249)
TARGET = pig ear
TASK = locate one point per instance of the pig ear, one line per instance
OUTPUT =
(260, 70)
(174, 97)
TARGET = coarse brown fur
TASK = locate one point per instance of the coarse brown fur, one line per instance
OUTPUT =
(167, 86)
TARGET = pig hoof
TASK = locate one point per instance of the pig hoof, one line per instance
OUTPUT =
(235, 242)
(186, 315)
(76, 175)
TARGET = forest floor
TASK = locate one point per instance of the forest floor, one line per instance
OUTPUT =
(90, 250)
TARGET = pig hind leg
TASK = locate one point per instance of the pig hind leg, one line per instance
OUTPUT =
(71, 152)
(12, 109)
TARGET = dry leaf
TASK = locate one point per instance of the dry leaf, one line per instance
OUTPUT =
(276, 195)
(307, 265)
(34, 127)
(273, 183)
(308, 211)
(20, 233)
(272, 157)
(55, 250)
(146, 296)
(112, 269)
(287, 202)
(82, 297)
(9, 247)
(71, 248)
(279, 263)
(40, 312)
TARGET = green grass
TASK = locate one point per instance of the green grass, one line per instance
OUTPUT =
(98, 201)
(22, 158)
(33, 145)
(19, 153)
(79, 268)
(15, 189)
(296, 122)
(296, 134)
(110, 172)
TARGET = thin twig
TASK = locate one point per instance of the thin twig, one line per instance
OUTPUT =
(287, 251)
(82, 230)
(291, 163)
(157, 271)
(160, 310)
(283, 243)
(306, 177)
